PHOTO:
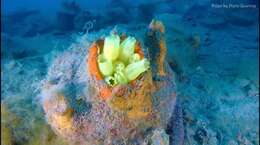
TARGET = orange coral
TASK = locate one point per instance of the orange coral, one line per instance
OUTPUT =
(105, 93)
(156, 25)
(139, 50)
(160, 60)
(92, 62)
(136, 101)
(61, 121)
(64, 121)
(93, 68)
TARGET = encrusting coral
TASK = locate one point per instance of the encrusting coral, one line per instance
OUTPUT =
(126, 101)
(156, 25)
(58, 112)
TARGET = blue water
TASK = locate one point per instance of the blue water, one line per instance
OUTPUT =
(212, 46)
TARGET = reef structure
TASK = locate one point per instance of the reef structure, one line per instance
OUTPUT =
(84, 105)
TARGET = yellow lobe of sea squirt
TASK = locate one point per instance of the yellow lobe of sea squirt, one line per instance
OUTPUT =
(133, 70)
(134, 58)
(127, 48)
(111, 47)
(120, 77)
(105, 66)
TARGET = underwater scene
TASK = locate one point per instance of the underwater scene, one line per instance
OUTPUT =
(129, 72)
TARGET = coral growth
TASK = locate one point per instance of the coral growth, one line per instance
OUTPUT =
(126, 102)
(134, 101)
(155, 26)
(58, 112)
(92, 63)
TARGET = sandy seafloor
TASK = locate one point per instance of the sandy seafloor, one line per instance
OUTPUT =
(217, 75)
